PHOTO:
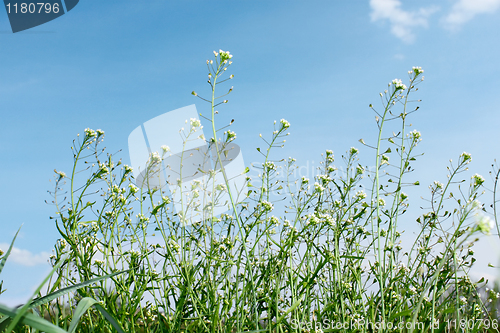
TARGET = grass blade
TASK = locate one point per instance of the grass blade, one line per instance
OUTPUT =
(30, 319)
(111, 320)
(4, 258)
(80, 310)
(25, 307)
(293, 307)
(45, 299)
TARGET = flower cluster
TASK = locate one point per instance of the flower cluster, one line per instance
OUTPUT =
(230, 135)
(60, 173)
(133, 188)
(155, 158)
(324, 179)
(484, 223)
(176, 247)
(284, 124)
(267, 205)
(128, 169)
(477, 179)
(318, 188)
(224, 55)
(416, 70)
(195, 122)
(360, 195)
(329, 156)
(415, 135)
(269, 166)
(398, 84)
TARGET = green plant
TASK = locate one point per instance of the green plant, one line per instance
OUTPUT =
(330, 260)
(20, 314)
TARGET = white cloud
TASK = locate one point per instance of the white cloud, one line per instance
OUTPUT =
(465, 10)
(402, 22)
(25, 257)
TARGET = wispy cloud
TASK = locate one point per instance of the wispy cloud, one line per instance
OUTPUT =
(465, 10)
(25, 257)
(402, 22)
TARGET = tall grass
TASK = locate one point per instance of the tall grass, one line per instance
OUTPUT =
(330, 260)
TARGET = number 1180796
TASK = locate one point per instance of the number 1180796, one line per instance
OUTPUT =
(32, 8)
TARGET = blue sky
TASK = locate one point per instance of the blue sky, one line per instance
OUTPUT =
(115, 64)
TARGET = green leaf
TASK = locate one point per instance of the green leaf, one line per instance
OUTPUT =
(4, 258)
(111, 320)
(80, 310)
(294, 305)
(45, 299)
(157, 208)
(401, 314)
(25, 308)
(31, 320)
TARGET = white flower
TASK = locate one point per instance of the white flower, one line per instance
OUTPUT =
(329, 156)
(284, 123)
(103, 168)
(360, 195)
(417, 70)
(61, 174)
(165, 148)
(318, 188)
(438, 184)
(230, 135)
(195, 122)
(90, 132)
(224, 55)
(270, 166)
(174, 245)
(415, 134)
(155, 158)
(274, 220)
(267, 205)
(133, 188)
(466, 156)
(484, 223)
(398, 84)
(325, 179)
(478, 180)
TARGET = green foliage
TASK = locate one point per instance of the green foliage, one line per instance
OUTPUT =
(331, 256)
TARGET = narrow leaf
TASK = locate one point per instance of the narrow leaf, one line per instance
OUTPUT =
(4, 258)
(31, 320)
(45, 299)
(25, 308)
(80, 310)
(109, 318)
